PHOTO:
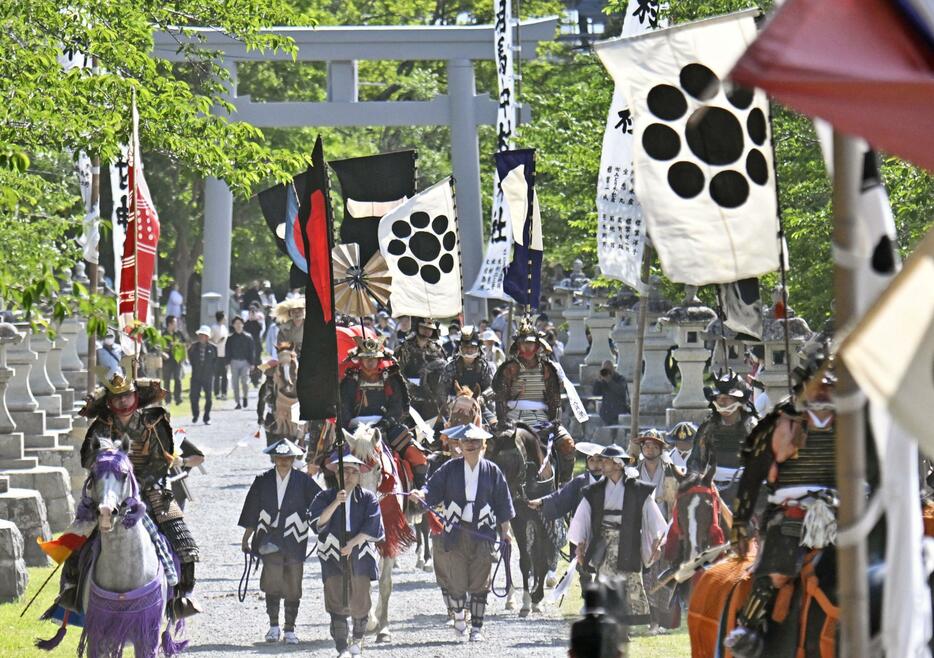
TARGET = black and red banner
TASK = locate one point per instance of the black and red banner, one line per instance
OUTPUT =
(317, 364)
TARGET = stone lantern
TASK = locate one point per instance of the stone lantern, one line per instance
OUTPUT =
(777, 361)
(717, 334)
(624, 331)
(11, 441)
(687, 324)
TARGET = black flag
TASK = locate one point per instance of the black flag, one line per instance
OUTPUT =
(317, 365)
(742, 308)
(370, 185)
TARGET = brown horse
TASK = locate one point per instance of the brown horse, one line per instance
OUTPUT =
(695, 519)
(518, 454)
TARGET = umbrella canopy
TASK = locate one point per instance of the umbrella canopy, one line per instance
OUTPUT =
(859, 64)
(359, 290)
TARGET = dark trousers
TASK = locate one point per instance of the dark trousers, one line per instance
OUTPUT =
(220, 377)
(172, 373)
(197, 387)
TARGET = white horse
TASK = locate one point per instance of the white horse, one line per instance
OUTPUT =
(367, 445)
(125, 597)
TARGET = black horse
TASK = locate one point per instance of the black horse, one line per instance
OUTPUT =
(518, 453)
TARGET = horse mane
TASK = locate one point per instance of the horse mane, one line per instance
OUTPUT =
(363, 442)
(462, 391)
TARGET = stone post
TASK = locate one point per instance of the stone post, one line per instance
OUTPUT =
(72, 367)
(57, 376)
(11, 441)
(687, 324)
(656, 390)
(13, 574)
(624, 337)
(42, 387)
(26, 510)
(601, 325)
(775, 375)
(23, 407)
(576, 347)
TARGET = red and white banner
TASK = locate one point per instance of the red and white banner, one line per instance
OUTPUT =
(139, 246)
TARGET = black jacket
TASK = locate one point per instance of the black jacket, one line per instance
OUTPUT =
(615, 397)
(202, 362)
(240, 347)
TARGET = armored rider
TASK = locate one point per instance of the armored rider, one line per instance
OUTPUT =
(793, 451)
(420, 356)
(722, 434)
(466, 368)
(126, 413)
(528, 390)
(373, 391)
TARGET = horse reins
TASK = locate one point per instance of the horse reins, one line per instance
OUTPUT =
(249, 560)
(504, 548)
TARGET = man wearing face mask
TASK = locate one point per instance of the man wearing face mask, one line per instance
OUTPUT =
(417, 356)
(109, 355)
(721, 435)
(793, 451)
(128, 414)
(528, 390)
(467, 368)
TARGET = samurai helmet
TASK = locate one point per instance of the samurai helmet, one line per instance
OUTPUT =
(368, 347)
(650, 434)
(732, 385)
(118, 385)
(470, 336)
(527, 333)
(428, 323)
(683, 431)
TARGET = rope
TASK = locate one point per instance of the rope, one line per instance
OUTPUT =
(505, 557)
(504, 548)
(249, 559)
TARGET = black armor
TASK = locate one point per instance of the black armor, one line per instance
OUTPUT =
(718, 444)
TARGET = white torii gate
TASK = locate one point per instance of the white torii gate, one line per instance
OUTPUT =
(462, 109)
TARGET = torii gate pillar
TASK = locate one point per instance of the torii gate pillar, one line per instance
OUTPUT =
(465, 160)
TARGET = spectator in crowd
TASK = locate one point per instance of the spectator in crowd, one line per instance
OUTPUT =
(452, 339)
(219, 335)
(557, 347)
(491, 349)
(255, 325)
(268, 299)
(203, 358)
(241, 354)
(612, 386)
(271, 336)
(174, 305)
(483, 325)
(386, 328)
(403, 327)
(172, 359)
(109, 354)
(541, 322)
(293, 293)
(251, 296)
(500, 317)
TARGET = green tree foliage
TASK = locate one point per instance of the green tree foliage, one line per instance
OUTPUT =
(48, 114)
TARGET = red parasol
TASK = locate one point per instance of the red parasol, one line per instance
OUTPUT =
(859, 64)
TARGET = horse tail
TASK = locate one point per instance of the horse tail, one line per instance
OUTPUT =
(55, 640)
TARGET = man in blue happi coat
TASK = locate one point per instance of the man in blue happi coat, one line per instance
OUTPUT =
(275, 523)
(348, 524)
(564, 501)
(476, 507)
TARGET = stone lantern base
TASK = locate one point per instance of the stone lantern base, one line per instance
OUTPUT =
(26, 510)
(13, 574)
(54, 485)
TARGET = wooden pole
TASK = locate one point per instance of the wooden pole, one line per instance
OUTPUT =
(849, 427)
(93, 272)
(640, 352)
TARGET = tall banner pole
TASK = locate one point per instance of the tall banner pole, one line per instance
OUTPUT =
(849, 421)
(640, 351)
(93, 273)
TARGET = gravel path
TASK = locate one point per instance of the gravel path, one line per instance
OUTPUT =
(227, 627)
